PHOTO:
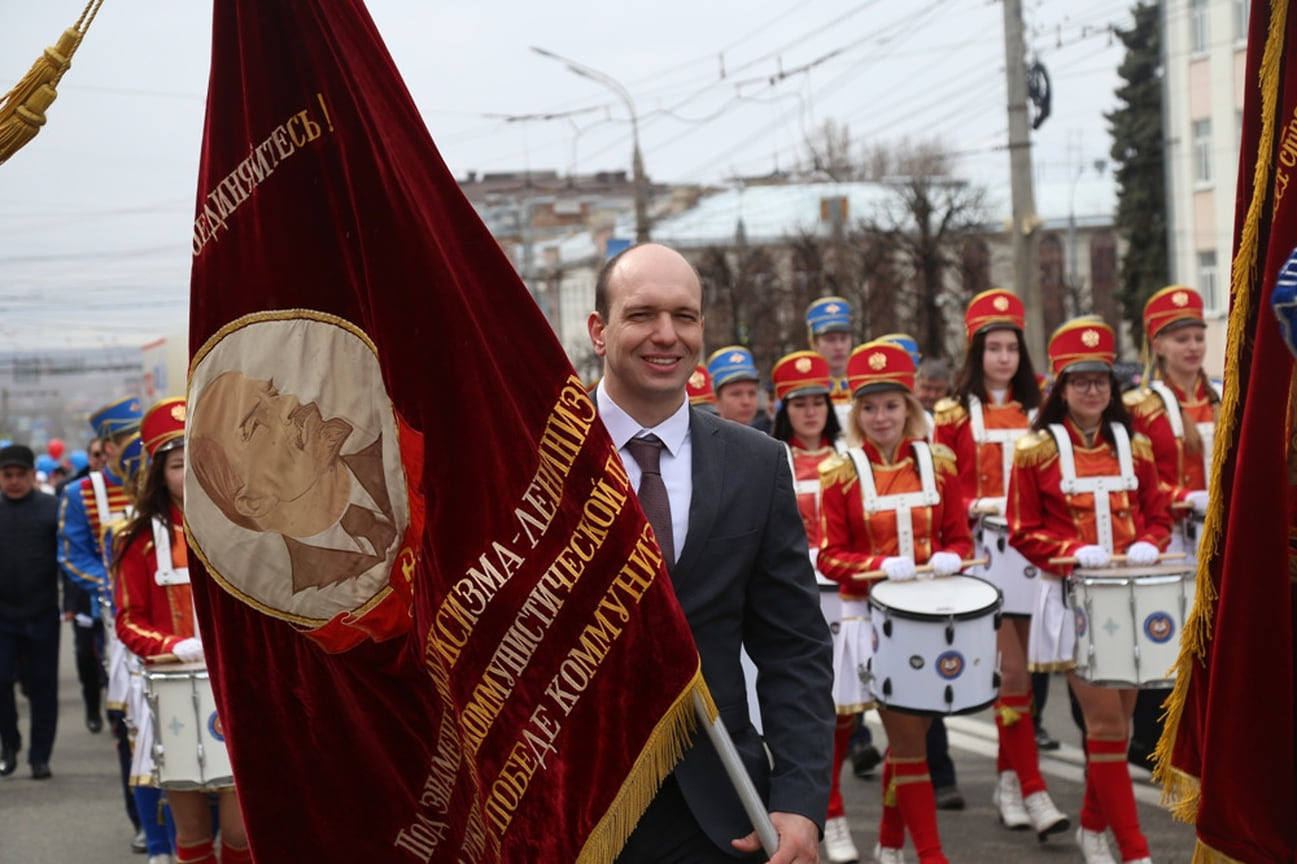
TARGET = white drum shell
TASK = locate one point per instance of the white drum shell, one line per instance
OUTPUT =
(934, 648)
(189, 743)
(1128, 623)
(1014, 575)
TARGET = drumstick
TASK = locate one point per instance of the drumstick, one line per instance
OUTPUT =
(1181, 505)
(162, 658)
(986, 510)
(1119, 559)
(923, 568)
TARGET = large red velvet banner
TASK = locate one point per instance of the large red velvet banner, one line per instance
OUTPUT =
(1227, 755)
(437, 621)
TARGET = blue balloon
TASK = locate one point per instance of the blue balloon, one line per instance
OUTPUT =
(79, 459)
(45, 462)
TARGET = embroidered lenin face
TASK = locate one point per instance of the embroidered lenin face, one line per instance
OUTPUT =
(296, 495)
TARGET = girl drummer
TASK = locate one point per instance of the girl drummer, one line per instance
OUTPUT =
(808, 426)
(155, 619)
(1114, 505)
(996, 396)
(1177, 407)
(887, 428)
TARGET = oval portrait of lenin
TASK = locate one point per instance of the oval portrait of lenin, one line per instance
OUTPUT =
(294, 491)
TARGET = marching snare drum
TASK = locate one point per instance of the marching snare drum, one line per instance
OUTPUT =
(934, 645)
(1014, 575)
(188, 739)
(1128, 623)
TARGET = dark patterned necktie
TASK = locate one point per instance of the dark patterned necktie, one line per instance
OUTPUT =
(647, 453)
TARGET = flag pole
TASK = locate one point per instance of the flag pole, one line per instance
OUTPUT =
(738, 774)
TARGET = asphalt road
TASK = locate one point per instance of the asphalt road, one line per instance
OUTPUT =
(77, 817)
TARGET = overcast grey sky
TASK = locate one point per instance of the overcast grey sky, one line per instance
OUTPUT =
(96, 213)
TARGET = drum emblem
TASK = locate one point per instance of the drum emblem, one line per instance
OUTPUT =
(1159, 627)
(1081, 622)
(215, 727)
(950, 665)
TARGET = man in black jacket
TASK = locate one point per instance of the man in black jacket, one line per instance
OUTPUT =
(29, 609)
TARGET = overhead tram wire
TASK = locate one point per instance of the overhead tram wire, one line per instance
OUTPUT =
(903, 29)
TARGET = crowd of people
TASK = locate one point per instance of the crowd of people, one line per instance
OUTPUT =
(872, 469)
(902, 474)
(113, 536)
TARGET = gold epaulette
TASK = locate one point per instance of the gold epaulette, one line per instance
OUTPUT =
(948, 411)
(1141, 402)
(943, 459)
(1034, 448)
(1141, 447)
(837, 469)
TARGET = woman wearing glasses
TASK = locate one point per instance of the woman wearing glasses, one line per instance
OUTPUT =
(1082, 440)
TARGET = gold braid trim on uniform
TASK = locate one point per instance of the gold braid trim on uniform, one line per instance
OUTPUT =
(948, 412)
(1034, 449)
(22, 112)
(1180, 796)
(665, 747)
(1141, 447)
(890, 797)
(943, 460)
(1143, 403)
(837, 470)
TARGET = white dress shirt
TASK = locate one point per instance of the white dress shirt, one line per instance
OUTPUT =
(676, 465)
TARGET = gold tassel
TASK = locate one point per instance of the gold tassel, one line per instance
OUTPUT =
(22, 112)
(665, 747)
(1183, 796)
(889, 797)
(1008, 716)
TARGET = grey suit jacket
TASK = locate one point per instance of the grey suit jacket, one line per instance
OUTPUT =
(744, 578)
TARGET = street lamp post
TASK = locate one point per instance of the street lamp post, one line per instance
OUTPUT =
(637, 161)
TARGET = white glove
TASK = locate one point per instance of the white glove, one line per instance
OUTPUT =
(189, 650)
(1091, 556)
(1198, 498)
(899, 568)
(945, 563)
(984, 506)
(1142, 553)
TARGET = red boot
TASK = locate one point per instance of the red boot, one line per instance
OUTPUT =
(918, 808)
(197, 853)
(1106, 764)
(891, 829)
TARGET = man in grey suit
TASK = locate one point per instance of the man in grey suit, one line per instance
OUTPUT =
(736, 551)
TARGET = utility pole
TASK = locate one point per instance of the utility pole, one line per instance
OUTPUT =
(1026, 248)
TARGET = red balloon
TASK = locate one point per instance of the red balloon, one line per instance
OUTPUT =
(56, 448)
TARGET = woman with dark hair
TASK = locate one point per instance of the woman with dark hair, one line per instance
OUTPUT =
(994, 402)
(1084, 487)
(1177, 407)
(892, 472)
(808, 426)
(156, 619)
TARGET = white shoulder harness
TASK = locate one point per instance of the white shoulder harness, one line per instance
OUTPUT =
(1101, 485)
(166, 574)
(1006, 438)
(902, 503)
(1206, 431)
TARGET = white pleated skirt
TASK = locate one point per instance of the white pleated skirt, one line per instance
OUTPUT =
(853, 645)
(1051, 645)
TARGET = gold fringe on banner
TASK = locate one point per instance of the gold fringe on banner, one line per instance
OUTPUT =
(22, 112)
(1180, 791)
(665, 747)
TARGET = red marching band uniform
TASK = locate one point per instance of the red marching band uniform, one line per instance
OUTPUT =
(982, 437)
(853, 542)
(1066, 494)
(1163, 412)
